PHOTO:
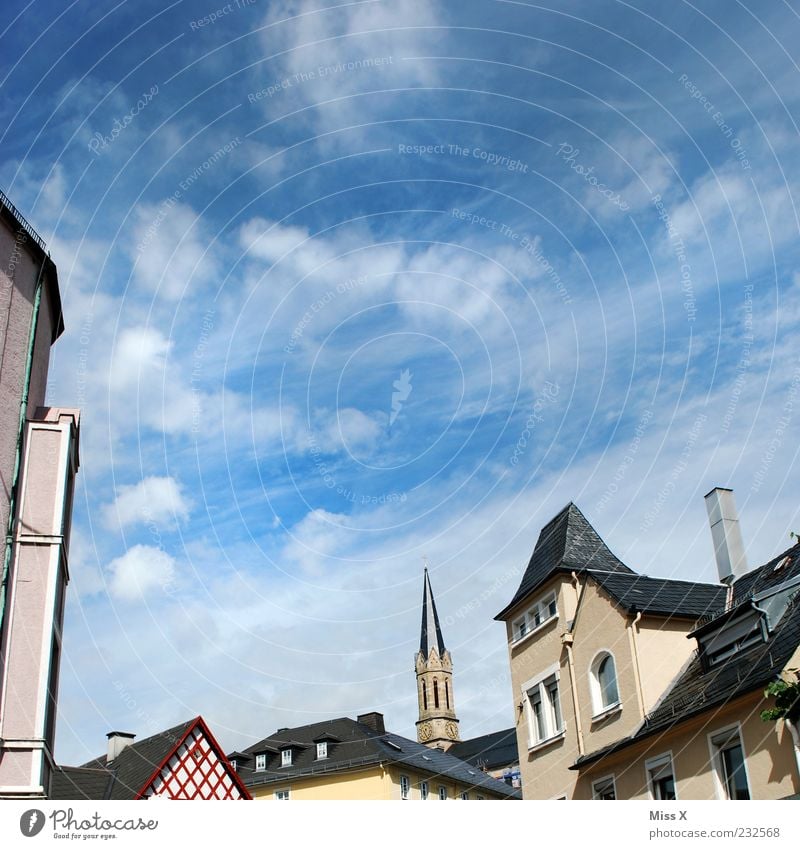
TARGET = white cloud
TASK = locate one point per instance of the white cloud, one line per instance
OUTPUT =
(139, 572)
(160, 502)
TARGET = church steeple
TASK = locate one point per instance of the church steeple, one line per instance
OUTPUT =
(437, 725)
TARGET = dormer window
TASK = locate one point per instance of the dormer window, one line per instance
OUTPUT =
(541, 612)
(322, 750)
(732, 637)
(261, 763)
(286, 757)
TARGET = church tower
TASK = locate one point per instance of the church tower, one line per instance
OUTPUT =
(437, 726)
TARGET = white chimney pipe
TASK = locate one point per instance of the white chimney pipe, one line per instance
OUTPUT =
(726, 534)
(117, 741)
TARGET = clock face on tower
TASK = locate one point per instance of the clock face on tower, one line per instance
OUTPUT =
(452, 730)
(425, 731)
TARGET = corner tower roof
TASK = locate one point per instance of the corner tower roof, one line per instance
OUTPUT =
(431, 634)
(566, 543)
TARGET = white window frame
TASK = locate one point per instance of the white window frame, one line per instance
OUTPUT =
(716, 748)
(283, 795)
(261, 763)
(604, 780)
(424, 790)
(526, 625)
(322, 750)
(733, 638)
(286, 757)
(442, 793)
(599, 708)
(655, 764)
(551, 728)
(405, 787)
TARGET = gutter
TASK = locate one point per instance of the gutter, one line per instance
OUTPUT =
(23, 406)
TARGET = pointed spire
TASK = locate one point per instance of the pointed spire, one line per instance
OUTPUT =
(431, 632)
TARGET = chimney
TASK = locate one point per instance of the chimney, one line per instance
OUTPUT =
(726, 535)
(373, 720)
(117, 741)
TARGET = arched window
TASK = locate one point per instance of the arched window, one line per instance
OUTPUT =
(424, 695)
(435, 693)
(603, 681)
(447, 694)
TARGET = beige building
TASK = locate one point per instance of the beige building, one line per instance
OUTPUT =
(632, 687)
(358, 759)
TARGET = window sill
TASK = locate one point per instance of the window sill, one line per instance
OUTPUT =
(543, 744)
(536, 630)
(612, 710)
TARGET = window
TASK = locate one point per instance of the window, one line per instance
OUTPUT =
(322, 750)
(423, 790)
(233, 765)
(424, 695)
(661, 778)
(545, 720)
(286, 757)
(442, 792)
(447, 694)
(538, 614)
(405, 787)
(604, 789)
(261, 763)
(435, 693)
(728, 760)
(282, 795)
(464, 796)
(603, 683)
(732, 638)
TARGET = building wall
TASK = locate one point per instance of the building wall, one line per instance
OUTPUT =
(372, 783)
(663, 650)
(770, 762)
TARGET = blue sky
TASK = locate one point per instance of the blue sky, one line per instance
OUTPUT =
(350, 285)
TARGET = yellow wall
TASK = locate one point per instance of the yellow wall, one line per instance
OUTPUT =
(371, 783)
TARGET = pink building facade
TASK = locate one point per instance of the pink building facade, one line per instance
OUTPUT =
(38, 463)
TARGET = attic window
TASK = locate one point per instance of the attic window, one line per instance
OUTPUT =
(781, 563)
(261, 763)
(322, 750)
(286, 757)
(393, 745)
(732, 637)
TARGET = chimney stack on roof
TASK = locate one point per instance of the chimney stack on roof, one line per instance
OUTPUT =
(372, 720)
(726, 534)
(117, 741)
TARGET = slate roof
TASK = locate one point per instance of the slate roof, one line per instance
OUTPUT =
(126, 775)
(361, 746)
(566, 543)
(700, 688)
(662, 596)
(431, 632)
(491, 751)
